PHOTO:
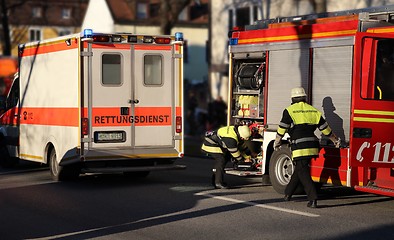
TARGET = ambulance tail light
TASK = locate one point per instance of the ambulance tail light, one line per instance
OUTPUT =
(101, 38)
(178, 123)
(85, 126)
(161, 40)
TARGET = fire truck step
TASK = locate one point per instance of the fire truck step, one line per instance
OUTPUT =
(375, 190)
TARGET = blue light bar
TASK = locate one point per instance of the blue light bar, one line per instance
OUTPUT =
(178, 36)
(233, 41)
(88, 33)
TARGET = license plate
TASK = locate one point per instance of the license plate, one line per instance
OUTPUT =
(108, 137)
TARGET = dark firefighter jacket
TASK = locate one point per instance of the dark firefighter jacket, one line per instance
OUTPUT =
(300, 120)
(225, 138)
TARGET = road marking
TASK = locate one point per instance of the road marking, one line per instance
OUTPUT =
(258, 205)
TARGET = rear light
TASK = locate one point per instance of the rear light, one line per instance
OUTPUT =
(85, 126)
(101, 38)
(178, 123)
(162, 40)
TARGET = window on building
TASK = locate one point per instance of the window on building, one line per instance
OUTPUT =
(36, 12)
(66, 13)
(230, 19)
(111, 69)
(153, 70)
(154, 9)
(142, 11)
(242, 16)
(255, 13)
(198, 10)
(183, 16)
(34, 34)
(63, 32)
(185, 52)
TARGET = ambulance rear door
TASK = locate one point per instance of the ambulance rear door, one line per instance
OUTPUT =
(153, 91)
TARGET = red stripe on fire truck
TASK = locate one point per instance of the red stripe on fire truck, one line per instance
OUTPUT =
(341, 29)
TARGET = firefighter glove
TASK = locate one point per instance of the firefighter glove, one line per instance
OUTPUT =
(336, 140)
(277, 143)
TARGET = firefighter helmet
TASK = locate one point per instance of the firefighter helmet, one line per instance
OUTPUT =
(244, 131)
(298, 92)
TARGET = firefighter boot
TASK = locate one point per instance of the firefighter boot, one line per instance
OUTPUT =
(217, 178)
(312, 204)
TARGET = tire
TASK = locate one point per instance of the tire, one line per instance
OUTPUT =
(6, 161)
(280, 169)
(62, 173)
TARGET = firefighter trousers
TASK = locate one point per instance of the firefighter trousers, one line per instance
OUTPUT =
(221, 159)
(302, 175)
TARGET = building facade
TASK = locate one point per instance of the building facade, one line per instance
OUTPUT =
(34, 20)
(227, 14)
(142, 17)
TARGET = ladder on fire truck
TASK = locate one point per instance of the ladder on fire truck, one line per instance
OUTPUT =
(381, 13)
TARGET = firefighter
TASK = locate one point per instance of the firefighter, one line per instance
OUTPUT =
(300, 120)
(225, 143)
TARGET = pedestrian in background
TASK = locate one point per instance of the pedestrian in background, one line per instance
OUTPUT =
(300, 121)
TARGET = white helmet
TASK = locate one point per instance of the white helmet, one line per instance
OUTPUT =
(298, 92)
(244, 131)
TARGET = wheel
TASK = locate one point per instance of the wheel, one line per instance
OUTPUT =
(6, 160)
(280, 169)
(62, 173)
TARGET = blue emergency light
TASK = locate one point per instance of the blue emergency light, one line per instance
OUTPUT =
(233, 41)
(178, 36)
(88, 33)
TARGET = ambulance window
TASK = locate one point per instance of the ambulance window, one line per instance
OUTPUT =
(153, 70)
(111, 69)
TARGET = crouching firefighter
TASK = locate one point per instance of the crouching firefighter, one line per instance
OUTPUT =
(225, 143)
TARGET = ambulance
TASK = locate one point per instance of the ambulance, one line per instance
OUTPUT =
(96, 103)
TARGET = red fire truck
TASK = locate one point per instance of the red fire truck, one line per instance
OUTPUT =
(345, 62)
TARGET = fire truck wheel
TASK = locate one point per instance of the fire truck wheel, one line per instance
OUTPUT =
(280, 170)
(61, 173)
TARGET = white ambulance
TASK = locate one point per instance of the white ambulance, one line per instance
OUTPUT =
(92, 102)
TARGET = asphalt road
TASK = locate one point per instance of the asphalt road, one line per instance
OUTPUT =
(180, 205)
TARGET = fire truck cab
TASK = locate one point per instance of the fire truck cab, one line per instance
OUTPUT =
(345, 62)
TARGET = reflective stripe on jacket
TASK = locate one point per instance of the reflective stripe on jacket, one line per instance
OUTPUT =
(300, 120)
(226, 138)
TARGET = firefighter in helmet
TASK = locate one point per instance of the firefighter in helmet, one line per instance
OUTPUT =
(225, 143)
(300, 121)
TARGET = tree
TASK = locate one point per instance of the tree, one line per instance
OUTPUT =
(5, 7)
(169, 12)
(319, 6)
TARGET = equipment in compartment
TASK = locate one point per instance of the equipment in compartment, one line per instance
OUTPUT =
(250, 76)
